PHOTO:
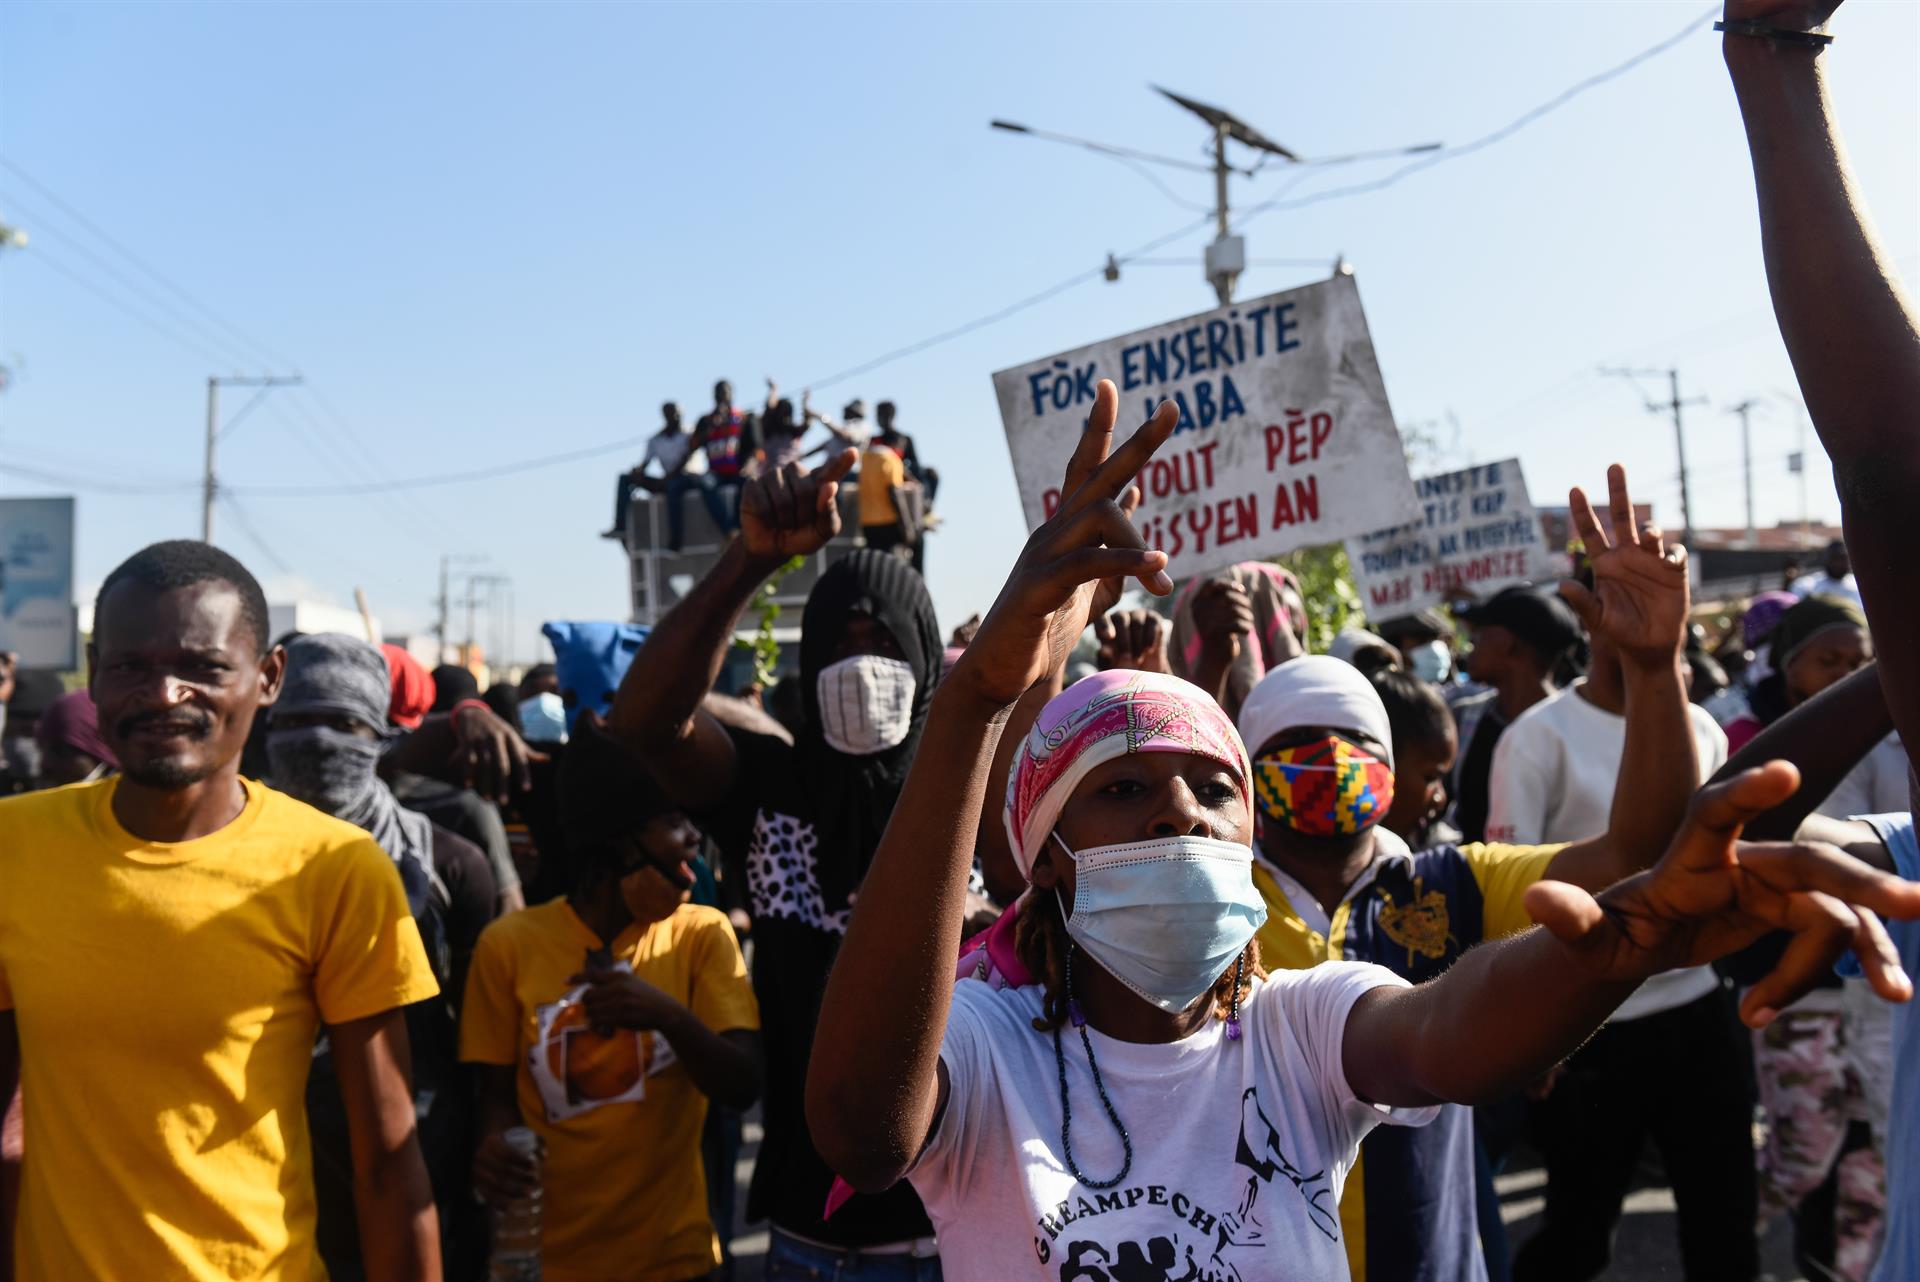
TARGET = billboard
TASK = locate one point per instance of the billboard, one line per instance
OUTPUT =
(37, 619)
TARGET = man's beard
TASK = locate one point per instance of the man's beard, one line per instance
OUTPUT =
(169, 774)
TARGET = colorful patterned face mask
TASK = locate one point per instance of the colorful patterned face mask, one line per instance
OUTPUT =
(1326, 788)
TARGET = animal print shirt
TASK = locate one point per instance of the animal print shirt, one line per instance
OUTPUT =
(765, 836)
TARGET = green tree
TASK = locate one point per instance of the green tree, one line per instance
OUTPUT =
(1326, 584)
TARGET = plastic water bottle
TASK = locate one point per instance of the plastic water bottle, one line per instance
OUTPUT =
(516, 1226)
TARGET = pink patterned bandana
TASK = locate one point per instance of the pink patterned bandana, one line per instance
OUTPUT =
(1103, 717)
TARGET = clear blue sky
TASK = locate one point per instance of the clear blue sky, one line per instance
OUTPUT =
(489, 232)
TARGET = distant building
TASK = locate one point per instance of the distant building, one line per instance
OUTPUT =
(312, 616)
(1730, 567)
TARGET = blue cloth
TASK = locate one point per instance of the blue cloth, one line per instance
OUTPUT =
(590, 659)
(1900, 1256)
(791, 1261)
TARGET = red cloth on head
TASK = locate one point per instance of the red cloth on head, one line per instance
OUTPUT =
(71, 721)
(412, 685)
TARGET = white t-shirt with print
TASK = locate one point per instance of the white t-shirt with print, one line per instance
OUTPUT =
(1240, 1149)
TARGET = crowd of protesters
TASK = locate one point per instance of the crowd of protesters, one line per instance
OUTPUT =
(1100, 941)
(729, 447)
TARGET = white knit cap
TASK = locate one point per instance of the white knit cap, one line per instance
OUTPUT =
(1314, 690)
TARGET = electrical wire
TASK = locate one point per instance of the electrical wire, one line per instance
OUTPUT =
(1160, 183)
(1487, 140)
(53, 198)
(360, 451)
(446, 478)
(37, 256)
(350, 467)
(1032, 300)
(48, 476)
(149, 297)
(231, 506)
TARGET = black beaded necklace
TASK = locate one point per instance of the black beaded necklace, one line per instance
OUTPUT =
(1113, 1115)
(1066, 1106)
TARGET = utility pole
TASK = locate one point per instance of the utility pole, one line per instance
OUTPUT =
(1745, 410)
(209, 487)
(476, 582)
(1675, 405)
(442, 602)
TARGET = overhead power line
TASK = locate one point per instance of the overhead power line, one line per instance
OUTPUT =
(36, 255)
(239, 514)
(271, 357)
(1499, 135)
(149, 297)
(1279, 201)
(1032, 300)
(447, 478)
(48, 476)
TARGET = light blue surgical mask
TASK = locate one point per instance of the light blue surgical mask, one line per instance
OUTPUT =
(1432, 662)
(1165, 917)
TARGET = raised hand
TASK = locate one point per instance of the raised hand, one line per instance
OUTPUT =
(790, 511)
(1048, 598)
(1135, 639)
(1711, 895)
(1222, 615)
(1107, 593)
(492, 757)
(1638, 601)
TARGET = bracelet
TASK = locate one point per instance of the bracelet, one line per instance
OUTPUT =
(481, 704)
(1755, 27)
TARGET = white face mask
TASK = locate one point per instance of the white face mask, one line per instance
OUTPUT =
(1165, 917)
(866, 704)
(1432, 662)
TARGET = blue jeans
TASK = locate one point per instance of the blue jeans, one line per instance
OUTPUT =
(791, 1261)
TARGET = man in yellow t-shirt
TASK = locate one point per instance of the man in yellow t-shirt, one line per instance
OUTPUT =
(171, 942)
(605, 1020)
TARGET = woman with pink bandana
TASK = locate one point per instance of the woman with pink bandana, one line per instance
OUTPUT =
(1155, 1106)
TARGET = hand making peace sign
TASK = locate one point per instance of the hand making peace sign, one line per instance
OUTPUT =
(1638, 601)
(1049, 595)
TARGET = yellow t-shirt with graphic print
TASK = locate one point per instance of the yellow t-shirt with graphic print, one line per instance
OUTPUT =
(1501, 872)
(625, 1191)
(167, 997)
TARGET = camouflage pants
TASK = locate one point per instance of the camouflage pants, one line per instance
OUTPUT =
(1816, 1071)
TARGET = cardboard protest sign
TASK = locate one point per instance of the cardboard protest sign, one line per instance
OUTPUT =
(1478, 532)
(1285, 438)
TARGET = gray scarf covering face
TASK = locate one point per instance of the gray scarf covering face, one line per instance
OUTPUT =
(334, 770)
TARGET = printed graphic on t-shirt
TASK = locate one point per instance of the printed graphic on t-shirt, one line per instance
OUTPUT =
(578, 1068)
(1419, 925)
(1161, 1234)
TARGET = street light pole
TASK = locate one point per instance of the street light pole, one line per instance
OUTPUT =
(1226, 257)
